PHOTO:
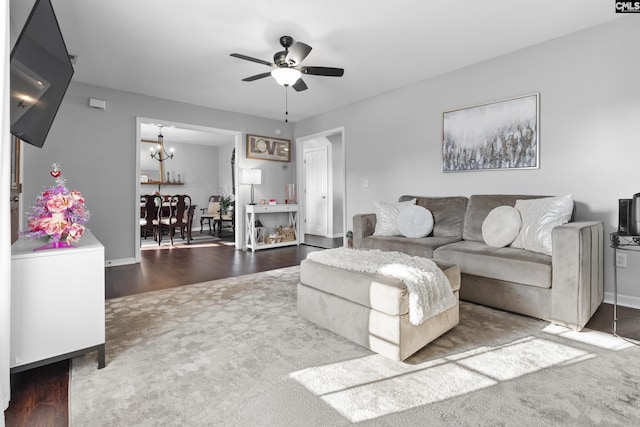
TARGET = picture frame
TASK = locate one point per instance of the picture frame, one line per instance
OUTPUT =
(144, 178)
(267, 148)
(499, 135)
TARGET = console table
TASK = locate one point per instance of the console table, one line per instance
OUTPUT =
(250, 222)
(57, 302)
(630, 327)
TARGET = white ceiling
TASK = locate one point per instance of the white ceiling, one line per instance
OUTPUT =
(181, 133)
(180, 50)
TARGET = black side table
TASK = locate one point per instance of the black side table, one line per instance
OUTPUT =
(628, 328)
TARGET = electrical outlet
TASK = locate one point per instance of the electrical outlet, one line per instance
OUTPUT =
(621, 260)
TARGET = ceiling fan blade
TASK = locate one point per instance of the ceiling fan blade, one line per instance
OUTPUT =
(299, 86)
(256, 77)
(249, 58)
(297, 53)
(323, 71)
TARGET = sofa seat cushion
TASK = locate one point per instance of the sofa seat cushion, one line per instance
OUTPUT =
(507, 264)
(423, 246)
(381, 293)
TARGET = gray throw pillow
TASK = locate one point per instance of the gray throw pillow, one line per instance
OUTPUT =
(539, 217)
(415, 221)
(501, 226)
(387, 217)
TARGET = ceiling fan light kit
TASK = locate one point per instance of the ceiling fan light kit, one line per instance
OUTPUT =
(286, 76)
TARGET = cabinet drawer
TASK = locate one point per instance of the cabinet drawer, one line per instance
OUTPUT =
(273, 208)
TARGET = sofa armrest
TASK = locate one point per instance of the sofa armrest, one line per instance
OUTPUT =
(577, 287)
(363, 225)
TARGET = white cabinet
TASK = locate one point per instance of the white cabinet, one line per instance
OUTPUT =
(252, 212)
(57, 302)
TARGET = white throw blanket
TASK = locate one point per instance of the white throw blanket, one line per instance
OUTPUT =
(429, 290)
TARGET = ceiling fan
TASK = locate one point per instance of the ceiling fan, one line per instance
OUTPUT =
(286, 65)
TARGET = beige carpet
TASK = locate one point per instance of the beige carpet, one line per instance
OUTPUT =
(234, 352)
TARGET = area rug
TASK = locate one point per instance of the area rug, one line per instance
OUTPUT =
(234, 352)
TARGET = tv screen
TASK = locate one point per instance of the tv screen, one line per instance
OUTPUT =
(40, 74)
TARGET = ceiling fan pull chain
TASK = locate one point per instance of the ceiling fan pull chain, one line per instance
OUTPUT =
(286, 104)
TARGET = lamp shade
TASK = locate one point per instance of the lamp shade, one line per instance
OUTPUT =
(251, 176)
(286, 76)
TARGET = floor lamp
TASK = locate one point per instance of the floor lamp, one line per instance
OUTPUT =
(253, 177)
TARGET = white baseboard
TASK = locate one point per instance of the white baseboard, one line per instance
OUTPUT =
(623, 300)
(121, 261)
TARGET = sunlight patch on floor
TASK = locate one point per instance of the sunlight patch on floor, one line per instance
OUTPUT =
(587, 336)
(374, 386)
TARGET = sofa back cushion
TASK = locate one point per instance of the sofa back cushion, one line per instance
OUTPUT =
(479, 207)
(448, 214)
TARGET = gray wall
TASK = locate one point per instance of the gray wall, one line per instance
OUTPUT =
(275, 176)
(97, 153)
(589, 116)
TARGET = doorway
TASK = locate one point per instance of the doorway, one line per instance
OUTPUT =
(321, 178)
(317, 190)
(203, 164)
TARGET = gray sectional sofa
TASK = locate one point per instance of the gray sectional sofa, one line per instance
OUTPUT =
(565, 288)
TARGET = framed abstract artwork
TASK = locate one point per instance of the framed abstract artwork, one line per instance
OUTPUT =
(266, 148)
(494, 136)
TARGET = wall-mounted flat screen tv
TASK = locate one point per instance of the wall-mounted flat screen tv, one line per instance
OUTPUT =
(40, 74)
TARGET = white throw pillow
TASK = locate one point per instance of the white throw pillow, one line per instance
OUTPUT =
(501, 226)
(539, 217)
(415, 221)
(387, 217)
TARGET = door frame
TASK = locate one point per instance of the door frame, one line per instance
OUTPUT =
(238, 196)
(301, 173)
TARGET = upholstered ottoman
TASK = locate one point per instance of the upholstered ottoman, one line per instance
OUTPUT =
(370, 309)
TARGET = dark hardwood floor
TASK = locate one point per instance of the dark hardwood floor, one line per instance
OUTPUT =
(182, 265)
(39, 397)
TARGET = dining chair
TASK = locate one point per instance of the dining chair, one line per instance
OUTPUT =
(210, 213)
(180, 206)
(228, 218)
(213, 214)
(150, 216)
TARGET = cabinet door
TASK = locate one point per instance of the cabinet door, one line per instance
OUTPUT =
(57, 305)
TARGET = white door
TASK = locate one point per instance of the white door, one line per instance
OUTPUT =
(316, 194)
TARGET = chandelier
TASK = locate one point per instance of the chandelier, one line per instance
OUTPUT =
(159, 153)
